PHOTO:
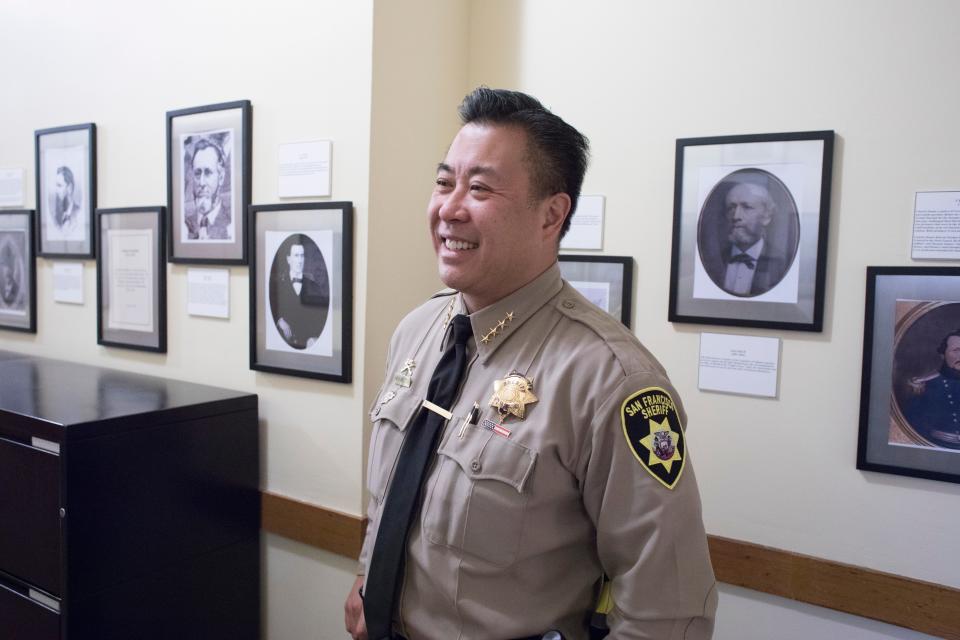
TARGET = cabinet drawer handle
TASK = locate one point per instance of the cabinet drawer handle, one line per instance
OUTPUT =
(44, 599)
(46, 445)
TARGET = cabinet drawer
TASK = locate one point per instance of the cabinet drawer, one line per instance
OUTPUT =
(24, 619)
(30, 514)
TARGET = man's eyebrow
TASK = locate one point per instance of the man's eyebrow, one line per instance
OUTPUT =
(479, 170)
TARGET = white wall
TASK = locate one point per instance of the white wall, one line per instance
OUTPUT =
(382, 80)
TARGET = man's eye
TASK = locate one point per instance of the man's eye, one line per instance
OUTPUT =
(478, 187)
(442, 182)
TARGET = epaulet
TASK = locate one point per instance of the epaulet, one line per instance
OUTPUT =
(443, 292)
(632, 356)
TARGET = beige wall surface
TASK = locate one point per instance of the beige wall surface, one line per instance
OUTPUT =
(382, 78)
(306, 68)
(634, 77)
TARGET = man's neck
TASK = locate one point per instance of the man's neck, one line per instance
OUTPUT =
(753, 250)
(476, 302)
(214, 210)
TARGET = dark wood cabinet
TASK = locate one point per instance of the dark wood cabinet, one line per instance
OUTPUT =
(129, 505)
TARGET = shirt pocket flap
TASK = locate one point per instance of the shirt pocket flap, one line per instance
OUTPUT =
(491, 457)
(397, 407)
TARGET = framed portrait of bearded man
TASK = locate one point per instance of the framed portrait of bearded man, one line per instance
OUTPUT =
(208, 183)
(66, 170)
(751, 215)
(18, 275)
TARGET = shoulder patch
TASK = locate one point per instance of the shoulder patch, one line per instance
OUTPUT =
(654, 434)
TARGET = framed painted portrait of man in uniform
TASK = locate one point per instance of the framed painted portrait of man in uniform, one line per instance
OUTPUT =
(208, 183)
(750, 230)
(66, 171)
(18, 279)
(301, 289)
(910, 398)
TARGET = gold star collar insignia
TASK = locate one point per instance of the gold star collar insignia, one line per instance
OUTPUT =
(512, 394)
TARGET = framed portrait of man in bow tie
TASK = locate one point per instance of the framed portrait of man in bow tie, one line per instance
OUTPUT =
(750, 230)
(301, 289)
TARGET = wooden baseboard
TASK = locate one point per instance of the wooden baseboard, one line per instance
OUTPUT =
(921, 606)
(326, 529)
(913, 604)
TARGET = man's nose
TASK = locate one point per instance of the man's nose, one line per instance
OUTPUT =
(452, 206)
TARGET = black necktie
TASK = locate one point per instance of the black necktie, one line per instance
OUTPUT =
(386, 561)
(745, 259)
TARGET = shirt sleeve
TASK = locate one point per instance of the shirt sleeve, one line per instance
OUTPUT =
(640, 491)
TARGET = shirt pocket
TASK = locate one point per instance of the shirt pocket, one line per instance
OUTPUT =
(477, 498)
(390, 415)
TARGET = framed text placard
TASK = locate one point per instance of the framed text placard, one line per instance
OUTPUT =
(131, 279)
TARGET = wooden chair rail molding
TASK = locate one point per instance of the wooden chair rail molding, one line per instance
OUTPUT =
(922, 606)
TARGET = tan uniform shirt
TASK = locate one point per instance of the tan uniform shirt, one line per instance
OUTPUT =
(517, 524)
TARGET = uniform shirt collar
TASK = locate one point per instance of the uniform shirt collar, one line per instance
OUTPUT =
(493, 325)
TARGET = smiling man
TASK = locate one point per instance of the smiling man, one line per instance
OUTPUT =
(525, 444)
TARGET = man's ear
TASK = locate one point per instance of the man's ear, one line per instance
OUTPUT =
(556, 209)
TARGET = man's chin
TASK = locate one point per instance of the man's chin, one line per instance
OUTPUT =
(203, 205)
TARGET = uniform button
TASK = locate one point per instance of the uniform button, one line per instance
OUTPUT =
(568, 304)
(475, 465)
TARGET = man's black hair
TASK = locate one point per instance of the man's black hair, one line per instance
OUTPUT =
(943, 345)
(67, 175)
(558, 153)
(204, 143)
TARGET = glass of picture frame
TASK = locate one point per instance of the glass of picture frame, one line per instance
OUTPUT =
(751, 216)
(208, 183)
(131, 279)
(66, 169)
(18, 272)
(910, 389)
(606, 281)
(301, 289)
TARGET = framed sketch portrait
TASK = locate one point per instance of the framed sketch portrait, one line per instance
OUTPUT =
(18, 273)
(208, 183)
(132, 279)
(301, 289)
(606, 281)
(66, 171)
(910, 391)
(750, 223)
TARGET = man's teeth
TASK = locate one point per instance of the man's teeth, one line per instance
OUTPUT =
(459, 245)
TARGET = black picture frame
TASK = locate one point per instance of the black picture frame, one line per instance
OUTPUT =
(907, 422)
(314, 339)
(778, 185)
(18, 270)
(220, 135)
(138, 235)
(65, 159)
(613, 276)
